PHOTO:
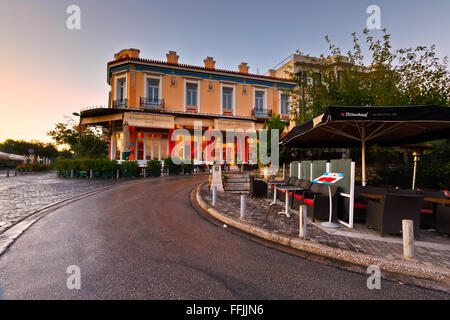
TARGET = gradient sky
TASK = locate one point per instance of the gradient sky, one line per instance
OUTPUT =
(48, 71)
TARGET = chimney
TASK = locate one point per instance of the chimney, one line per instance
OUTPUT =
(243, 67)
(172, 57)
(210, 63)
(127, 53)
(272, 73)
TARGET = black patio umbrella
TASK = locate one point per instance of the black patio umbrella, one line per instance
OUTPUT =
(348, 126)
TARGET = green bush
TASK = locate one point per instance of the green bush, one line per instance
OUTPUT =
(154, 166)
(130, 167)
(109, 166)
(171, 166)
(34, 167)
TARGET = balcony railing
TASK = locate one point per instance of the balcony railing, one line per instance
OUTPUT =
(261, 113)
(156, 104)
(120, 103)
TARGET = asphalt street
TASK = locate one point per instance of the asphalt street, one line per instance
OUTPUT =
(145, 241)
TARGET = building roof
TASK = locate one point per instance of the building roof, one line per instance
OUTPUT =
(180, 65)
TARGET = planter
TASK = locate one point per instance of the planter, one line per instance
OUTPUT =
(109, 174)
(65, 174)
(173, 172)
(187, 171)
(154, 173)
(97, 174)
(83, 174)
(129, 174)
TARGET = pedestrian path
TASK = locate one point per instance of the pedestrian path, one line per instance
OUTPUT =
(432, 250)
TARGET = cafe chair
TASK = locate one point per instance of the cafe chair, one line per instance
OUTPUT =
(386, 214)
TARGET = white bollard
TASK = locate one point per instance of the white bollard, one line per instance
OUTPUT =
(408, 239)
(214, 196)
(117, 174)
(243, 205)
(302, 221)
(71, 173)
(91, 174)
(145, 172)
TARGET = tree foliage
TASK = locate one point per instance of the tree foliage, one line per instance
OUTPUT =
(392, 77)
(88, 145)
(21, 147)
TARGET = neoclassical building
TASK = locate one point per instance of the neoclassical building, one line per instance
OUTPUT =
(149, 99)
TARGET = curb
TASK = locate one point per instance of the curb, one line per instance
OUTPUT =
(402, 267)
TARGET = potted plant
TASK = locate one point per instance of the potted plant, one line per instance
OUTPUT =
(108, 168)
(97, 167)
(188, 167)
(75, 165)
(154, 168)
(171, 166)
(129, 168)
(85, 166)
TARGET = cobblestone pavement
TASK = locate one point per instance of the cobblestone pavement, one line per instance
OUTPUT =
(261, 214)
(22, 195)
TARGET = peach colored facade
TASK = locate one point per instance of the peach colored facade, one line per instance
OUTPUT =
(153, 98)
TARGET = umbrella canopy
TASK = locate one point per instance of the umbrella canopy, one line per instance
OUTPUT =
(346, 126)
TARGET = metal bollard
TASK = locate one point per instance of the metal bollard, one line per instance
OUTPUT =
(243, 205)
(91, 174)
(71, 173)
(15, 172)
(117, 174)
(408, 239)
(144, 172)
(7, 172)
(214, 196)
(302, 221)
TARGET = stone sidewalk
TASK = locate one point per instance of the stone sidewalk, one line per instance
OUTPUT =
(24, 194)
(433, 249)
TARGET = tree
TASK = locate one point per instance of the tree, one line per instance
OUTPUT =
(410, 76)
(21, 147)
(88, 145)
(274, 123)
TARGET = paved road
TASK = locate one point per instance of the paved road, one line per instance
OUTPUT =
(145, 241)
(24, 194)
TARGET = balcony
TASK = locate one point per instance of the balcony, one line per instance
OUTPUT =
(261, 113)
(153, 104)
(120, 104)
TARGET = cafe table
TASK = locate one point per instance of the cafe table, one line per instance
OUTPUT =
(286, 189)
(274, 184)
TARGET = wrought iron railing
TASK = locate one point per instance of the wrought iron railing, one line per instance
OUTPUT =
(152, 103)
(120, 103)
(258, 112)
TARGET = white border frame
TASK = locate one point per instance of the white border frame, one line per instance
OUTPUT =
(233, 99)
(186, 81)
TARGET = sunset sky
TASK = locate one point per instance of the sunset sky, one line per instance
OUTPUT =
(49, 71)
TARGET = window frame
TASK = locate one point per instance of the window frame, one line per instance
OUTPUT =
(116, 91)
(146, 77)
(233, 97)
(197, 82)
(264, 90)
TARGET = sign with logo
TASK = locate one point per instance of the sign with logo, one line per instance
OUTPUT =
(149, 120)
(329, 178)
(223, 125)
(30, 151)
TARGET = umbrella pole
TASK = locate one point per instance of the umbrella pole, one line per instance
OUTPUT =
(363, 155)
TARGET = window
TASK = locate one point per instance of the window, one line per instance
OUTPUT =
(152, 146)
(284, 103)
(121, 89)
(152, 90)
(191, 94)
(259, 100)
(227, 98)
